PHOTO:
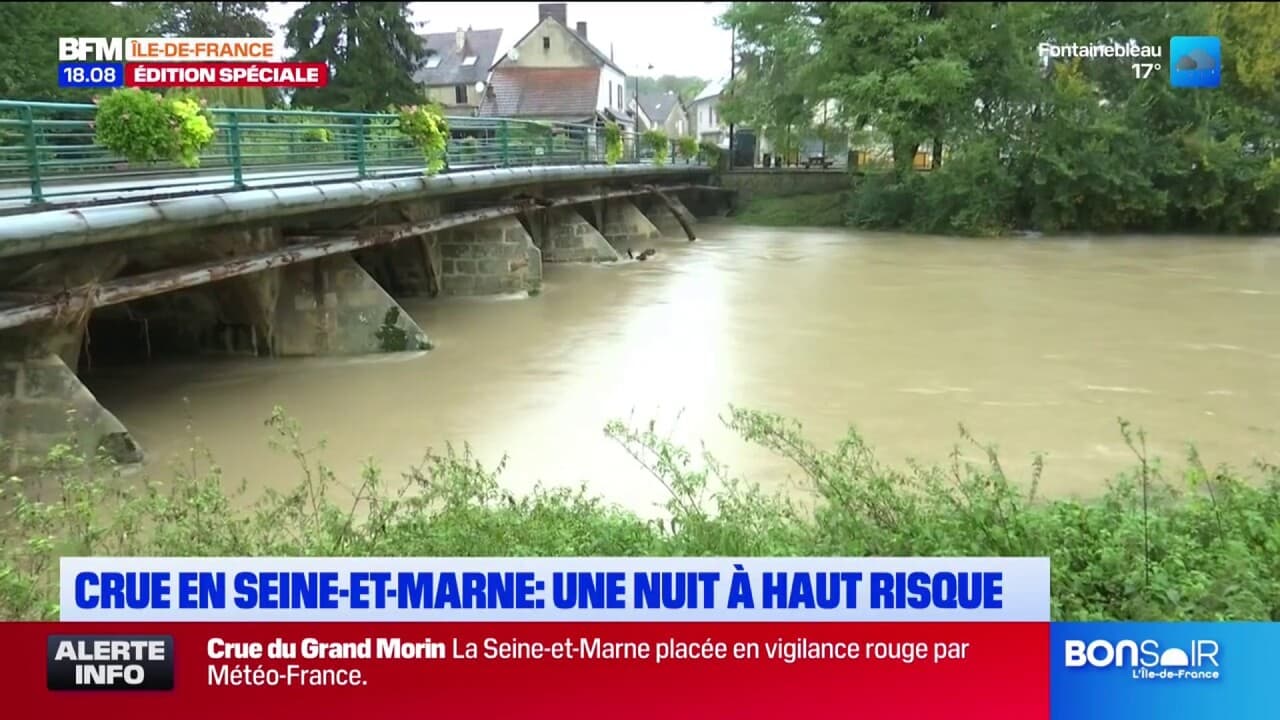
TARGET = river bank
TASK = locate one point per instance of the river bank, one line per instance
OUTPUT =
(1198, 546)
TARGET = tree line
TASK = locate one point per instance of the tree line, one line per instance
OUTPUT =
(1018, 139)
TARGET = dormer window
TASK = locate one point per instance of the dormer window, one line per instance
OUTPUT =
(469, 61)
(433, 60)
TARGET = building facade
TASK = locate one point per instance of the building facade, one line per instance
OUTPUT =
(455, 69)
(555, 73)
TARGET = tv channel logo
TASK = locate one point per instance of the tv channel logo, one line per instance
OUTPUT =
(1145, 659)
(1197, 61)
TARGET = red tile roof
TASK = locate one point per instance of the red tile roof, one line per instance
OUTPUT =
(542, 92)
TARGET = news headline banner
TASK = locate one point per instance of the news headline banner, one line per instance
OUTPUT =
(555, 589)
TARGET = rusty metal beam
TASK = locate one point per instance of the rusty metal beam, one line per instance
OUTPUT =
(72, 303)
(678, 212)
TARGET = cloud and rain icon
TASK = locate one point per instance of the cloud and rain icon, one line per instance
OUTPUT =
(1196, 59)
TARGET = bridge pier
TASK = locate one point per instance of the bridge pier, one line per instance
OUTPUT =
(492, 257)
(661, 216)
(332, 306)
(566, 236)
(43, 404)
(626, 227)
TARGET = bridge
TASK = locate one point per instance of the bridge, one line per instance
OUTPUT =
(295, 235)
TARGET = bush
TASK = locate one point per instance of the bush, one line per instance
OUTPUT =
(612, 143)
(1206, 547)
(144, 127)
(687, 147)
(427, 129)
(317, 135)
(656, 140)
(710, 153)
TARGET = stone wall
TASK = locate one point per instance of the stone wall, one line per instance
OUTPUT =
(564, 235)
(493, 257)
(783, 182)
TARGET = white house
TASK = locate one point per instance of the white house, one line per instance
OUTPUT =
(555, 73)
(704, 117)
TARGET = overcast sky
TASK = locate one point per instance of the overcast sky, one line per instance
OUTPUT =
(677, 38)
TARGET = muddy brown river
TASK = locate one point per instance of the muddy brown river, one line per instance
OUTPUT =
(1033, 344)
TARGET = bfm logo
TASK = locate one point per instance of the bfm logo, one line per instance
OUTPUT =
(81, 48)
(1146, 659)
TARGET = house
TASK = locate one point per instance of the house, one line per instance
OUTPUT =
(555, 73)
(456, 66)
(707, 125)
(664, 110)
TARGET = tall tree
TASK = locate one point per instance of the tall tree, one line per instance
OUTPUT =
(897, 66)
(776, 90)
(207, 19)
(371, 48)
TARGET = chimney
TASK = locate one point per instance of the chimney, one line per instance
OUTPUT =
(559, 11)
(582, 30)
(462, 38)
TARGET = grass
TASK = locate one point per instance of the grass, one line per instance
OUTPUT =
(1202, 545)
(816, 210)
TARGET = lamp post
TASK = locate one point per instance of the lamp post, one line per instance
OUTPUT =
(733, 69)
(636, 100)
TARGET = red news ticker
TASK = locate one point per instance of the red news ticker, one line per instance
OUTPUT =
(247, 74)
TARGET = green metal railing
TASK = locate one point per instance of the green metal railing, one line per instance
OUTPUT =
(48, 153)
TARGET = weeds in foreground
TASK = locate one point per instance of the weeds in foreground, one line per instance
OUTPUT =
(1205, 546)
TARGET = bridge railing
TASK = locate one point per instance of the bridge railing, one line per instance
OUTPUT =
(48, 152)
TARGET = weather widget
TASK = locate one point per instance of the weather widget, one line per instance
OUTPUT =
(1196, 61)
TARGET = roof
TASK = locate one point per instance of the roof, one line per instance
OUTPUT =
(542, 92)
(483, 44)
(713, 89)
(585, 42)
(599, 53)
(658, 105)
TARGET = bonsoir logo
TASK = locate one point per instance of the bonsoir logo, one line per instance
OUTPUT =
(1146, 659)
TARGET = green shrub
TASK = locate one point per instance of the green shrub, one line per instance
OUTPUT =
(656, 140)
(427, 129)
(612, 143)
(145, 127)
(687, 147)
(317, 135)
(710, 153)
(1203, 546)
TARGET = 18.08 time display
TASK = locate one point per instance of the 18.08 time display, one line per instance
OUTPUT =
(90, 74)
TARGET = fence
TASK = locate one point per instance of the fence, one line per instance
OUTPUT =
(48, 152)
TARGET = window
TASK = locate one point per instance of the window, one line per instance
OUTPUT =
(546, 43)
(610, 92)
(620, 103)
(460, 94)
(468, 60)
(433, 60)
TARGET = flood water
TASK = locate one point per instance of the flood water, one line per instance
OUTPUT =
(1033, 344)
